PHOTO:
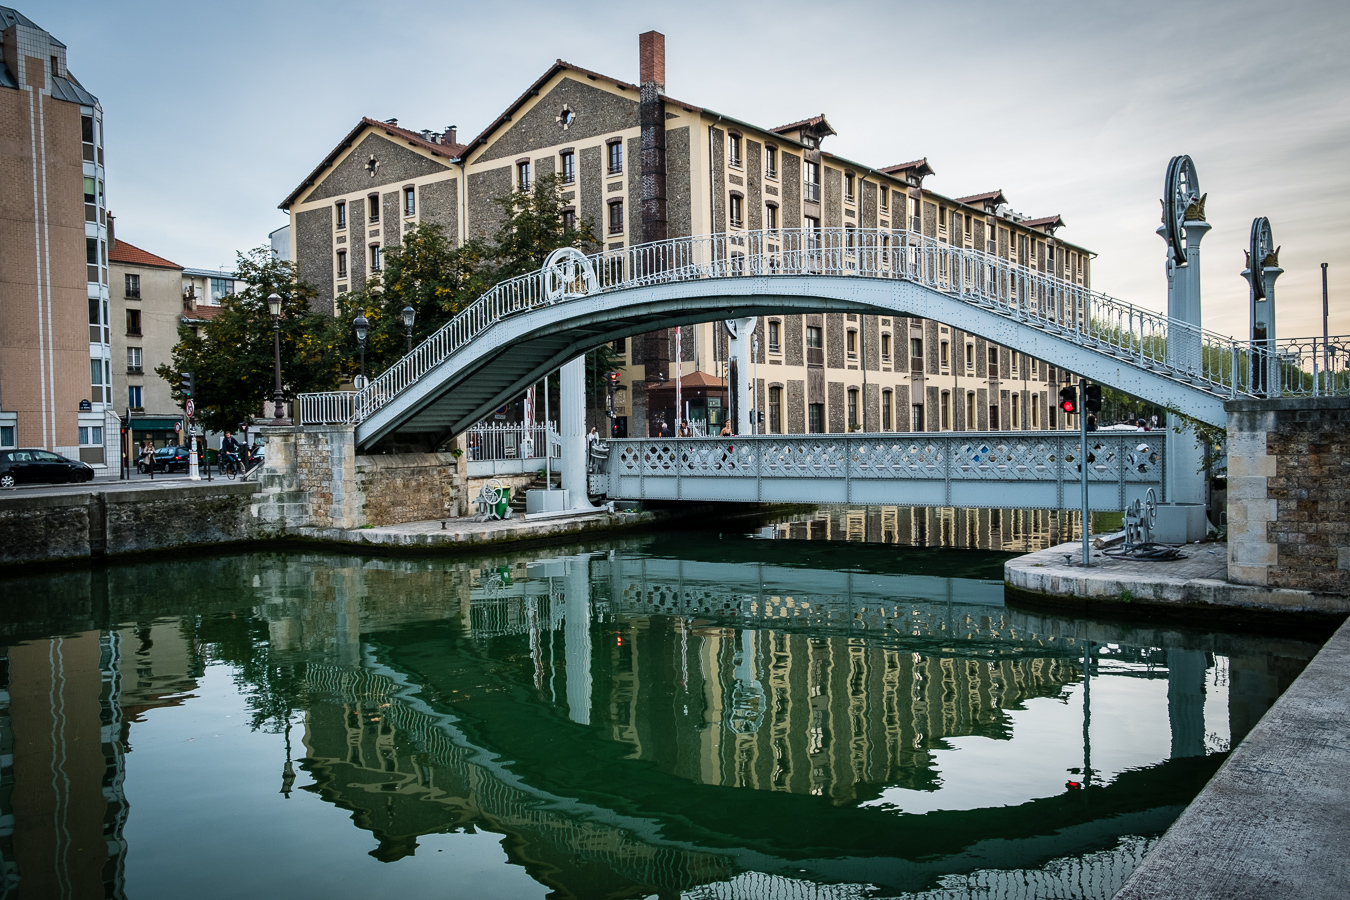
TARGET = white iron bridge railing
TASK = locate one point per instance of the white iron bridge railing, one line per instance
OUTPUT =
(1212, 362)
(1121, 465)
(503, 441)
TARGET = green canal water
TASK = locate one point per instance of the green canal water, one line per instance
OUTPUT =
(776, 711)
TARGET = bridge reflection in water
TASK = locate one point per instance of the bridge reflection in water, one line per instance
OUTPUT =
(662, 718)
(1004, 530)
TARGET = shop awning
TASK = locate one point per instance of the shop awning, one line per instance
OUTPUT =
(153, 424)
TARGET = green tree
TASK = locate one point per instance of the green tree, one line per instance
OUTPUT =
(231, 357)
(438, 280)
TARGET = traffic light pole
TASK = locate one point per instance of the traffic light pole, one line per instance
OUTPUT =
(1083, 468)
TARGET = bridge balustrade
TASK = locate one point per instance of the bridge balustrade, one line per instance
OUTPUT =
(987, 470)
(1046, 302)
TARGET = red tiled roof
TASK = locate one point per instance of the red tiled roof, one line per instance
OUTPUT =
(1045, 221)
(980, 198)
(447, 151)
(814, 120)
(202, 312)
(913, 164)
(132, 255)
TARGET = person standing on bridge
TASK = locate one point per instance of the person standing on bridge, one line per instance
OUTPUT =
(685, 430)
(1092, 423)
(726, 429)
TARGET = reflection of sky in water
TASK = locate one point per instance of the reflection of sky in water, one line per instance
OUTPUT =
(978, 772)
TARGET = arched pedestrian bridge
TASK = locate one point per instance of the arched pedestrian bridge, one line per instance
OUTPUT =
(529, 326)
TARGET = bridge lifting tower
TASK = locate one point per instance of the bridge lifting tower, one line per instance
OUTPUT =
(1263, 267)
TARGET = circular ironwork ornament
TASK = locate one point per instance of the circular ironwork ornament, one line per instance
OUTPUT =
(568, 274)
(1181, 189)
(1262, 249)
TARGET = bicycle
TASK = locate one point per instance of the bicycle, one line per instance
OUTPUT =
(230, 465)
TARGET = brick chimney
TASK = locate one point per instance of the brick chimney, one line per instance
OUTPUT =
(450, 135)
(652, 118)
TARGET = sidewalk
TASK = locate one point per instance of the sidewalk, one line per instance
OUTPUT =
(111, 482)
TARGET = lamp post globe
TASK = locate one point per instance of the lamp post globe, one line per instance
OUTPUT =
(279, 403)
(409, 314)
(362, 327)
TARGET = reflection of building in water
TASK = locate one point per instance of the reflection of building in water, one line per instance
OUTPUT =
(1010, 530)
(62, 809)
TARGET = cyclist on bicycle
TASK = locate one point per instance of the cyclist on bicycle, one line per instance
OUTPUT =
(229, 452)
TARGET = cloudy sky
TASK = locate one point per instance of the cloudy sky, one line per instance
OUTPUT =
(216, 111)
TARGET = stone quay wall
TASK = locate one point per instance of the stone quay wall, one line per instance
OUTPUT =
(314, 478)
(1289, 493)
(91, 524)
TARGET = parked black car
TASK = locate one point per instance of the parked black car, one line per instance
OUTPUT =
(169, 459)
(33, 466)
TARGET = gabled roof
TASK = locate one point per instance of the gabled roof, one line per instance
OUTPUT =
(920, 167)
(1048, 224)
(131, 255)
(202, 312)
(448, 152)
(560, 65)
(991, 198)
(816, 123)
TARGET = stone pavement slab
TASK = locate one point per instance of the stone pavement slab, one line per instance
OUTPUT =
(1274, 821)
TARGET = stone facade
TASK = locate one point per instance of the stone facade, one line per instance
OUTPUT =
(352, 174)
(1289, 493)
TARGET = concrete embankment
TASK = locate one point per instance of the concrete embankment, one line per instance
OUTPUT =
(1192, 589)
(1272, 822)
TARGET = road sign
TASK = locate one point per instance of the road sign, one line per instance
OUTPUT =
(177, 427)
(191, 408)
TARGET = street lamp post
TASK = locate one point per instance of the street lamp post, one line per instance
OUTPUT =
(409, 314)
(279, 411)
(362, 326)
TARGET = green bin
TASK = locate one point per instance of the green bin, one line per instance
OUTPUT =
(503, 501)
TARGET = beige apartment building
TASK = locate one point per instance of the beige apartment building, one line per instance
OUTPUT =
(55, 353)
(147, 307)
(642, 166)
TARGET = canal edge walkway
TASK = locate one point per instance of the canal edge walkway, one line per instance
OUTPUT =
(1272, 821)
(1196, 587)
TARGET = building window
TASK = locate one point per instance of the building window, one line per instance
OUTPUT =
(7, 436)
(1016, 411)
(135, 397)
(341, 214)
(916, 416)
(885, 346)
(737, 211)
(775, 410)
(815, 418)
(342, 263)
(993, 362)
(812, 225)
(96, 379)
(970, 411)
(848, 185)
(91, 435)
(1016, 365)
(616, 217)
(569, 219)
(853, 409)
(993, 417)
(944, 356)
(568, 161)
(375, 257)
(811, 186)
(523, 175)
(221, 288)
(946, 411)
(775, 330)
(970, 359)
(883, 196)
(133, 321)
(813, 337)
(886, 400)
(1035, 411)
(373, 207)
(133, 287)
(771, 217)
(409, 201)
(734, 150)
(770, 162)
(1035, 368)
(851, 343)
(135, 365)
(615, 157)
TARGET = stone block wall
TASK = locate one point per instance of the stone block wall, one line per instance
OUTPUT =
(408, 487)
(1289, 493)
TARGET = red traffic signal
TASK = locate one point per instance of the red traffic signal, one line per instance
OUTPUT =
(1068, 398)
(613, 377)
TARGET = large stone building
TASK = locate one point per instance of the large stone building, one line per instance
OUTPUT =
(642, 166)
(55, 352)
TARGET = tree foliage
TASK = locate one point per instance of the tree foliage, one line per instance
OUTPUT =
(231, 355)
(438, 279)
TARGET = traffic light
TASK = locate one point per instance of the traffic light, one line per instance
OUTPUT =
(187, 386)
(613, 379)
(1068, 399)
(1092, 398)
